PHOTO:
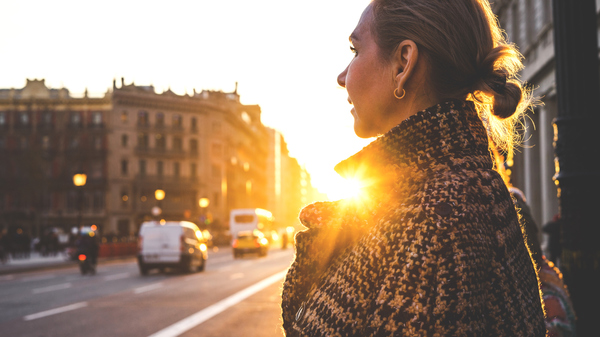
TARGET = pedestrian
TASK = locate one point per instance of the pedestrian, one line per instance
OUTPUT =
(560, 315)
(433, 246)
(552, 228)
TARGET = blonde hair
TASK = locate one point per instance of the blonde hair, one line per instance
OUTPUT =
(468, 55)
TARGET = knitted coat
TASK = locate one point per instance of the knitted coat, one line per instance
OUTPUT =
(433, 248)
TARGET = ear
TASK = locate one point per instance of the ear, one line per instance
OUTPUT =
(405, 62)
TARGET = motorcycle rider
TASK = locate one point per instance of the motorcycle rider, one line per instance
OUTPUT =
(88, 245)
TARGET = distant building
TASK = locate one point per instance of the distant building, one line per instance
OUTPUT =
(289, 185)
(130, 143)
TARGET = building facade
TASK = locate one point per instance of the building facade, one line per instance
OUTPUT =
(130, 143)
(528, 24)
(289, 185)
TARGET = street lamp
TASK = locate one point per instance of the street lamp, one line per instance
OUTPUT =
(79, 180)
(203, 203)
(159, 195)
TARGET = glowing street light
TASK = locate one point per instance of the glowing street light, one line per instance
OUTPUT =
(203, 202)
(159, 194)
(79, 179)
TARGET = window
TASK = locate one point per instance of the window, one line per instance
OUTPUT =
(96, 170)
(516, 29)
(216, 171)
(193, 170)
(177, 121)
(193, 146)
(177, 144)
(72, 200)
(24, 118)
(142, 118)
(98, 201)
(160, 119)
(216, 150)
(194, 124)
(74, 142)
(124, 140)
(124, 117)
(142, 167)
(159, 168)
(531, 23)
(98, 143)
(124, 167)
(161, 142)
(75, 118)
(176, 169)
(124, 199)
(96, 118)
(216, 126)
(45, 142)
(47, 118)
(547, 11)
(123, 227)
(143, 140)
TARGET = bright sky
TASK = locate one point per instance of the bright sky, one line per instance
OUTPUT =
(286, 56)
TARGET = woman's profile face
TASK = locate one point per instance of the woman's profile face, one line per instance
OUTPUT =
(369, 81)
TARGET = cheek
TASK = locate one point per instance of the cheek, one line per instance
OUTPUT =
(356, 80)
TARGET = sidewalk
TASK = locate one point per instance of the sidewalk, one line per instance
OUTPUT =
(39, 262)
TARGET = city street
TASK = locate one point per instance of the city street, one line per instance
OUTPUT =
(227, 299)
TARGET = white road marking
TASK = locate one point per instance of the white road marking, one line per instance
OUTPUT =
(55, 311)
(52, 288)
(236, 276)
(116, 277)
(147, 288)
(211, 311)
(7, 278)
(38, 278)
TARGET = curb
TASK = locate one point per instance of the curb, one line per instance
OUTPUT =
(8, 269)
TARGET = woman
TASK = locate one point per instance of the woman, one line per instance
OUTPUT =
(434, 247)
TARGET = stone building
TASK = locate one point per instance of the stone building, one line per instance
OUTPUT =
(528, 24)
(130, 143)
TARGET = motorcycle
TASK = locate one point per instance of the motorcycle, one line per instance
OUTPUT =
(86, 265)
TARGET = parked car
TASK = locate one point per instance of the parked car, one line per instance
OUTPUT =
(178, 244)
(253, 242)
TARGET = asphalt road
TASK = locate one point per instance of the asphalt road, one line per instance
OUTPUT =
(230, 298)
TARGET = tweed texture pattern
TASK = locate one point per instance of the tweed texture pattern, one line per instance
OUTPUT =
(433, 248)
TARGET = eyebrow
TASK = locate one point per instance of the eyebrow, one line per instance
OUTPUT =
(353, 37)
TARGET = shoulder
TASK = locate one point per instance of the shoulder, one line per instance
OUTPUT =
(463, 200)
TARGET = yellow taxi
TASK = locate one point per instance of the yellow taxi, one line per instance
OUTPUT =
(250, 242)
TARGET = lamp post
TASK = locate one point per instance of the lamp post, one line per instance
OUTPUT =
(203, 203)
(577, 170)
(159, 195)
(79, 180)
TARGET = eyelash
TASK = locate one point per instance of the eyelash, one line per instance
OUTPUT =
(353, 50)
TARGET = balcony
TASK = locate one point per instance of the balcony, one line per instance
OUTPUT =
(160, 152)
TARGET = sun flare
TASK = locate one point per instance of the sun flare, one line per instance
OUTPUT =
(344, 189)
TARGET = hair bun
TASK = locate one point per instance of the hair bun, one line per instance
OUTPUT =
(507, 100)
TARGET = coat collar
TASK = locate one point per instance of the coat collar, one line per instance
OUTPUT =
(441, 137)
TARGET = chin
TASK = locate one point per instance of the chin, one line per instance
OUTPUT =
(363, 132)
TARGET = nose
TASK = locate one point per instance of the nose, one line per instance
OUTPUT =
(341, 79)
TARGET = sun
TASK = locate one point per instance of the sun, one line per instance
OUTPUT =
(341, 188)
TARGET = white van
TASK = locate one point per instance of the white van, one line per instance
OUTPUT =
(177, 244)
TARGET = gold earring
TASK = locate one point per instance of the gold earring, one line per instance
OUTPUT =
(399, 97)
